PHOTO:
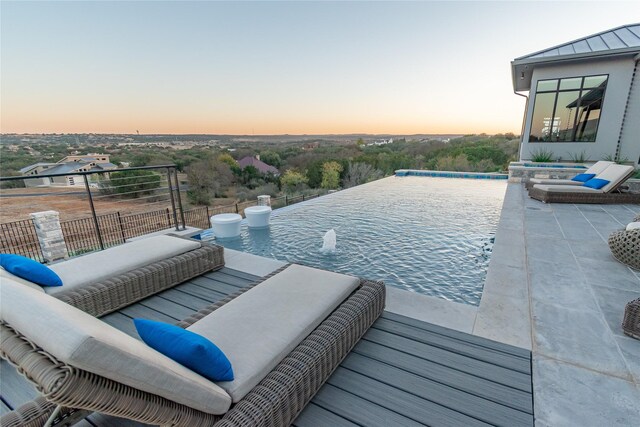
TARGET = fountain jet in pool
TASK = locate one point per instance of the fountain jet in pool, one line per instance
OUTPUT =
(329, 242)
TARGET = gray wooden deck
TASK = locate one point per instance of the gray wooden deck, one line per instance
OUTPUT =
(402, 373)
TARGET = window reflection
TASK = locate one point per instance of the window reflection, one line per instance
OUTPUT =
(567, 110)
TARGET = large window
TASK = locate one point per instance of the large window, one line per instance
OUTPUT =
(567, 110)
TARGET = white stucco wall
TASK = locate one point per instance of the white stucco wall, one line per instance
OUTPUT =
(620, 72)
(630, 144)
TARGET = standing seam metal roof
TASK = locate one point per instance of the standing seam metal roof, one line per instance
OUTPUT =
(626, 36)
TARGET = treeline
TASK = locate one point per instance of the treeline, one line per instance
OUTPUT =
(214, 173)
(341, 166)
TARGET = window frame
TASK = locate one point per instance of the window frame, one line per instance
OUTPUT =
(557, 92)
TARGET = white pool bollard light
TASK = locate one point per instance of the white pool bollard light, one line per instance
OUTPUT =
(264, 200)
(226, 226)
(258, 216)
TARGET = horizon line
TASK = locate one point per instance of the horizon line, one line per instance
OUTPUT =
(251, 135)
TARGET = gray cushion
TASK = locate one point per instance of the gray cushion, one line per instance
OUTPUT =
(567, 189)
(98, 266)
(83, 341)
(259, 328)
(4, 274)
(599, 166)
(550, 181)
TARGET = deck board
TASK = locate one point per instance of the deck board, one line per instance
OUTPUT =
(388, 396)
(15, 389)
(463, 381)
(472, 339)
(404, 372)
(451, 360)
(359, 410)
(315, 416)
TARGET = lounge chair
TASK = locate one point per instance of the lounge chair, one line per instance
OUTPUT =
(284, 337)
(104, 281)
(596, 169)
(615, 174)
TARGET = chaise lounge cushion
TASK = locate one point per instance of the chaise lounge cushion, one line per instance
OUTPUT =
(595, 169)
(83, 341)
(615, 174)
(4, 274)
(99, 266)
(260, 327)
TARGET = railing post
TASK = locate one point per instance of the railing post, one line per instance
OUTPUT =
(173, 202)
(286, 201)
(236, 208)
(175, 176)
(168, 218)
(303, 197)
(93, 211)
(124, 238)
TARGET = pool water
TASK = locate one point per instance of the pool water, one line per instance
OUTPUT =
(428, 235)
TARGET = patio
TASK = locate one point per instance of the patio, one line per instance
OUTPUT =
(553, 286)
(553, 300)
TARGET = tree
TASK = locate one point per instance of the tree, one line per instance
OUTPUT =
(207, 178)
(293, 181)
(250, 176)
(314, 174)
(226, 158)
(331, 175)
(271, 158)
(132, 183)
(460, 163)
(360, 173)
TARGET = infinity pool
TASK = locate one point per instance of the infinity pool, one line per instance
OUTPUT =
(428, 235)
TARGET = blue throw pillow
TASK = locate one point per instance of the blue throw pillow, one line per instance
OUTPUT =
(596, 183)
(187, 348)
(30, 270)
(583, 177)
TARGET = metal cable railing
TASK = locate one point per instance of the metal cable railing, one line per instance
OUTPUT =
(156, 188)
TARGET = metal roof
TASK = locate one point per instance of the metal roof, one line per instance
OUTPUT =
(627, 36)
(620, 41)
(67, 167)
(33, 166)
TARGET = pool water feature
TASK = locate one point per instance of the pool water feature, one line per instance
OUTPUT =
(428, 235)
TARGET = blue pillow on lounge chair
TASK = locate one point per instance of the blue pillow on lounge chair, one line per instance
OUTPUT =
(187, 348)
(596, 183)
(30, 270)
(583, 177)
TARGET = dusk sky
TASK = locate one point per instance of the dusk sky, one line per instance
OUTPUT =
(277, 67)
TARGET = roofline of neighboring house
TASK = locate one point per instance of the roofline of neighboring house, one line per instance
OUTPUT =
(29, 168)
(522, 68)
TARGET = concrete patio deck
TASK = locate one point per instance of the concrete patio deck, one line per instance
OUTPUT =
(554, 286)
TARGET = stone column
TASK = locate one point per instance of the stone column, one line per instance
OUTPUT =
(50, 235)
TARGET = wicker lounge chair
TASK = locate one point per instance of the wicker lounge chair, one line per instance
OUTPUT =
(275, 401)
(596, 169)
(102, 282)
(616, 174)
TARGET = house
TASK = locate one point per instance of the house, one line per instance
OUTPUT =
(68, 165)
(258, 164)
(583, 97)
